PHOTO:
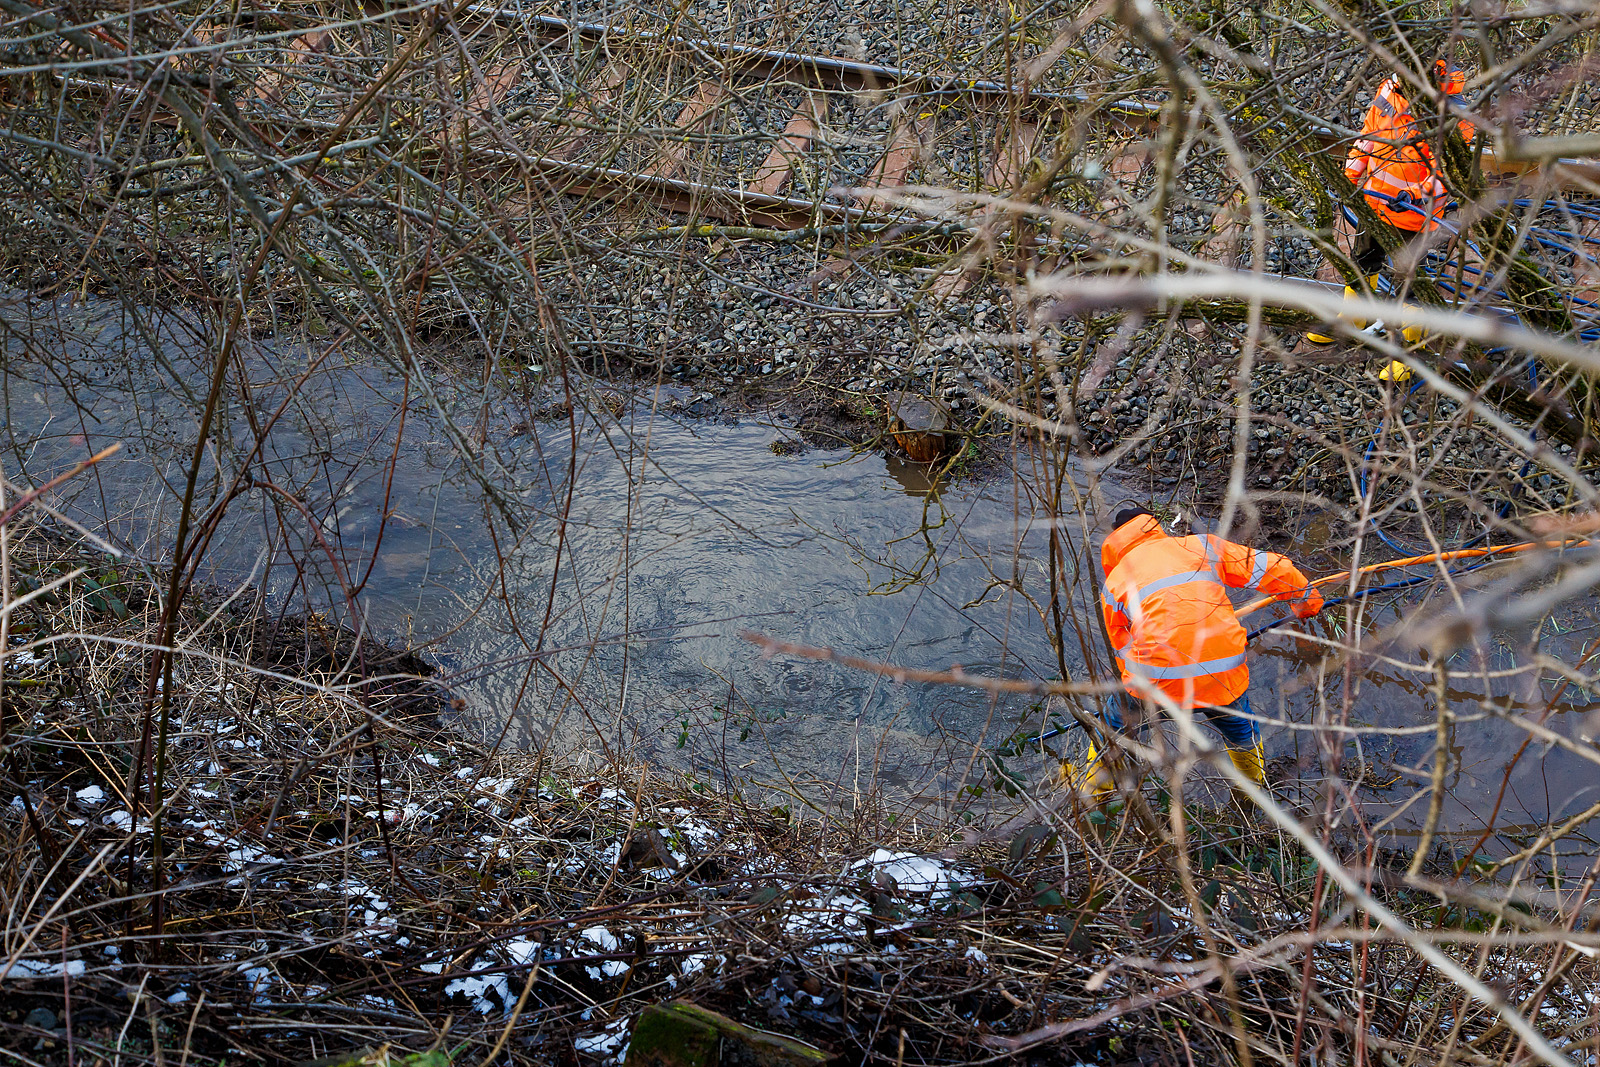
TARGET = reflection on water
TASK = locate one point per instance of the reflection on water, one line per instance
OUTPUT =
(586, 591)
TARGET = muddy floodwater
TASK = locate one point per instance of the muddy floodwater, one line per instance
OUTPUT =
(584, 586)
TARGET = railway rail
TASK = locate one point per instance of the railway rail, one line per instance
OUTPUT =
(667, 173)
(749, 137)
(730, 64)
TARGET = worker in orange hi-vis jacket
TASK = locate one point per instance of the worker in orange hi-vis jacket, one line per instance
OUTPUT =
(1173, 630)
(1394, 167)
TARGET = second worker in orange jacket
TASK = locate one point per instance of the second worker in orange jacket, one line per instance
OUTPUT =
(1393, 165)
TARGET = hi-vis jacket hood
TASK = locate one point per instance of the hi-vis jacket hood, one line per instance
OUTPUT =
(1168, 614)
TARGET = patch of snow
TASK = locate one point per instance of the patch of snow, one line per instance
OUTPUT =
(522, 951)
(180, 997)
(260, 980)
(121, 820)
(477, 988)
(911, 873)
(834, 914)
(610, 1044)
(241, 855)
(43, 969)
(91, 796)
(602, 938)
(408, 813)
(698, 833)
(692, 965)
(497, 786)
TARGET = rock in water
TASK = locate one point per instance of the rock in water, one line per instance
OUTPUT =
(922, 426)
(681, 1034)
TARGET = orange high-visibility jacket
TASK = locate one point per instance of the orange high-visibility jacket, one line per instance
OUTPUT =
(1168, 614)
(1391, 161)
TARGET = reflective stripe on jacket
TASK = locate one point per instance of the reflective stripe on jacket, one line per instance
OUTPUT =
(1168, 615)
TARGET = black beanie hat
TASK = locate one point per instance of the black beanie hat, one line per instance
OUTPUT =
(1128, 515)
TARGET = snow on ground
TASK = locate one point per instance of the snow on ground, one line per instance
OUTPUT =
(41, 969)
(604, 941)
(486, 992)
(610, 1043)
(912, 873)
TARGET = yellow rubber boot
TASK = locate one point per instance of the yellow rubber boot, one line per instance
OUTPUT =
(1095, 781)
(1251, 761)
(1372, 289)
(1360, 324)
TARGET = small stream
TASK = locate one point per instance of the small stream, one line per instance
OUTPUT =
(603, 617)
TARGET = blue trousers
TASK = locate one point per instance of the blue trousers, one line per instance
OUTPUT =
(1238, 732)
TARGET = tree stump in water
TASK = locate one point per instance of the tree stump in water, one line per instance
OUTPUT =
(921, 426)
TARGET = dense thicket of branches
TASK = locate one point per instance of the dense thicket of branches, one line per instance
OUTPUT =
(1103, 255)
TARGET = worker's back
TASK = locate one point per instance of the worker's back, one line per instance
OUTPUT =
(1172, 621)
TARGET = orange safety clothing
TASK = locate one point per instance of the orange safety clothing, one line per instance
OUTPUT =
(1168, 614)
(1391, 162)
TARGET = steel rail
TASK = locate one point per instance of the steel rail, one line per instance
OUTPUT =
(846, 74)
(850, 74)
(737, 205)
(727, 202)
